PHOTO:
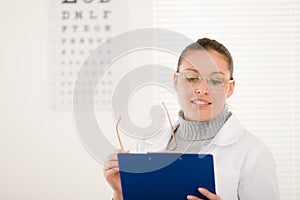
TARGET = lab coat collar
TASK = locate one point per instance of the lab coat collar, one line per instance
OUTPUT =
(228, 134)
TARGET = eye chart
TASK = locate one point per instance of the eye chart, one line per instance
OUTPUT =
(76, 29)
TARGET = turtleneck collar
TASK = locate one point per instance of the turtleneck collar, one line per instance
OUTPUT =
(197, 130)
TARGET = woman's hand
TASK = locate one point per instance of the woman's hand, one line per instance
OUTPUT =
(112, 175)
(205, 192)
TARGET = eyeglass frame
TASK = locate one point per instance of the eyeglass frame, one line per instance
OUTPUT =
(200, 78)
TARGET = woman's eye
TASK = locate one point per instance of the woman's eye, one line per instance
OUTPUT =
(192, 79)
(215, 81)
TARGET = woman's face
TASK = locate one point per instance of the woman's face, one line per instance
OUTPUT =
(203, 100)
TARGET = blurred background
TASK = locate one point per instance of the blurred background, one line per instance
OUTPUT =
(43, 44)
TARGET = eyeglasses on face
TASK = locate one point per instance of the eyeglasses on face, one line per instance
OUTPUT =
(212, 82)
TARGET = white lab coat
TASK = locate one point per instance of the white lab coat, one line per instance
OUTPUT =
(244, 167)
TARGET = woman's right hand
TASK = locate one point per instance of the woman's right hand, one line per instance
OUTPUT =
(112, 175)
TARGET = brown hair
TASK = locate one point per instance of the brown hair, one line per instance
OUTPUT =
(208, 44)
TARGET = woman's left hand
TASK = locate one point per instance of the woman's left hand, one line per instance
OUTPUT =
(204, 192)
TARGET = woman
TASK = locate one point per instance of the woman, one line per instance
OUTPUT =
(244, 167)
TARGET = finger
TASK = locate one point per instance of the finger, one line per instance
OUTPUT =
(112, 160)
(110, 173)
(191, 197)
(111, 164)
(122, 151)
(114, 156)
(111, 170)
(208, 194)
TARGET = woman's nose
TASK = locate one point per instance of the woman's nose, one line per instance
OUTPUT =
(202, 87)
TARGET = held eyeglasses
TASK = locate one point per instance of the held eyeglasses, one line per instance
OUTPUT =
(212, 82)
(170, 123)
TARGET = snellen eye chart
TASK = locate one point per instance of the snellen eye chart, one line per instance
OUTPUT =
(75, 29)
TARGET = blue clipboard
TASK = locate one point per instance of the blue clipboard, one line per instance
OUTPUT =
(163, 176)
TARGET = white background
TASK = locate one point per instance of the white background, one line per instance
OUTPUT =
(40, 153)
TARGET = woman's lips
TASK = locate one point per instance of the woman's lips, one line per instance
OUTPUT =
(200, 102)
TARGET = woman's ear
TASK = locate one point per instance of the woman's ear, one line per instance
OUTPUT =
(175, 81)
(231, 89)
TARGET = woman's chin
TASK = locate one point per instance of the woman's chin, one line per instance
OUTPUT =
(200, 117)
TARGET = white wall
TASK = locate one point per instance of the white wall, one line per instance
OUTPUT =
(41, 156)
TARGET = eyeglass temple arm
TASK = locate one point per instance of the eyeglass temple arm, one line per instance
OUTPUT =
(173, 133)
(117, 130)
(169, 118)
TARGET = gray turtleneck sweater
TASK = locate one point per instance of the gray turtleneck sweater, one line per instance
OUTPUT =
(192, 136)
